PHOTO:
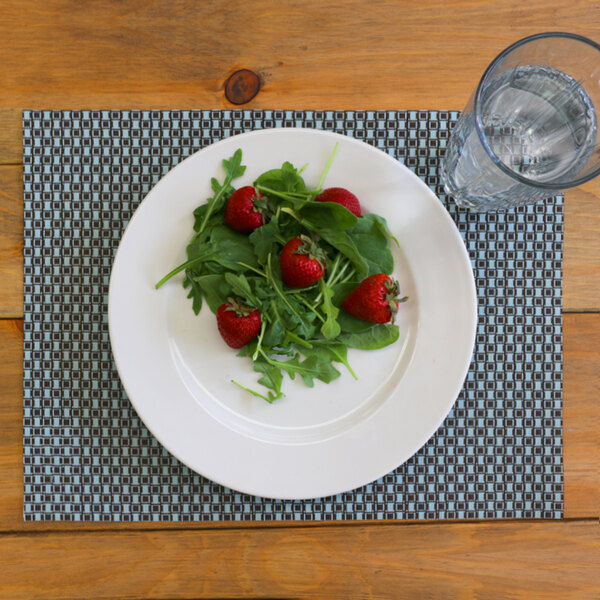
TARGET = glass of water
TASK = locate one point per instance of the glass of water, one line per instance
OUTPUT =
(530, 129)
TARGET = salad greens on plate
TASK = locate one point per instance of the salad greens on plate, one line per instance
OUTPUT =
(294, 275)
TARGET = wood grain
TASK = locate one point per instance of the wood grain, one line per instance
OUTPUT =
(439, 561)
(11, 242)
(11, 425)
(311, 54)
(581, 410)
(581, 259)
(581, 414)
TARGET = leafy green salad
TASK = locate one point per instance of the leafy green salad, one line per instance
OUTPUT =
(294, 276)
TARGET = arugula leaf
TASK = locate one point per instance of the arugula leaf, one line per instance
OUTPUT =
(313, 367)
(270, 397)
(272, 377)
(335, 351)
(195, 292)
(330, 328)
(233, 169)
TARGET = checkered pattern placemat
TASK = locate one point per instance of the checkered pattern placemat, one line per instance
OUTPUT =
(87, 456)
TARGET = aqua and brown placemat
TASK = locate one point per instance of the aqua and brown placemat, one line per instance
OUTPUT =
(88, 457)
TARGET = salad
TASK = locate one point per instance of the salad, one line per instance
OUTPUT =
(295, 275)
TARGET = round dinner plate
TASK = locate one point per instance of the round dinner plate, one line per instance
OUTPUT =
(316, 441)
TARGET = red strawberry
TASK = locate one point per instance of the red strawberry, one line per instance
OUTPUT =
(238, 324)
(241, 212)
(375, 299)
(302, 262)
(341, 196)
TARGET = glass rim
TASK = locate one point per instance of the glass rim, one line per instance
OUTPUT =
(557, 185)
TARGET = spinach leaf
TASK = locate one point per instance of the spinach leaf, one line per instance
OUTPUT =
(327, 215)
(286, 179)
(371, 242)
(274, 333)
(263, 239)
(240, 287)
(342, 242)
(215, 289)
(383, 226)
(376, 337)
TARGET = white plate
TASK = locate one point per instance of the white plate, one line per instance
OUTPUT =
(316, 441)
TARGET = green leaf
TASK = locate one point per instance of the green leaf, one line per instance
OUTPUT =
(286, 179)
(309, 369)
(342, 242)
(372, 244)
(270, 397)
(233, 168)
(332, 351)
(383, 226)
(291, 178)
(263, 239)
(225, 249)
(240, 287)
(272, 377)
(215, 289)
(330, 328)
(274, 333)
(376, 337)
(327, 215)
(195, 293)
(350, 324)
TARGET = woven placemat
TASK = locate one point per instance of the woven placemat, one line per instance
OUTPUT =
(88, 457)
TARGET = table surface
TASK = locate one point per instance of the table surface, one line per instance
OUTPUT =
(308, 55)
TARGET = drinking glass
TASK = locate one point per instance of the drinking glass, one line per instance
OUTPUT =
(529, 130)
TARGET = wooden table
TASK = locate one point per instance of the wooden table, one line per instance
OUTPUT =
(309, 55)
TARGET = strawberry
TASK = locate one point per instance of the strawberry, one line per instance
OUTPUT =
(238, 324)
(375, 299)
(341, 196)
(302, 262)
(241, 210)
